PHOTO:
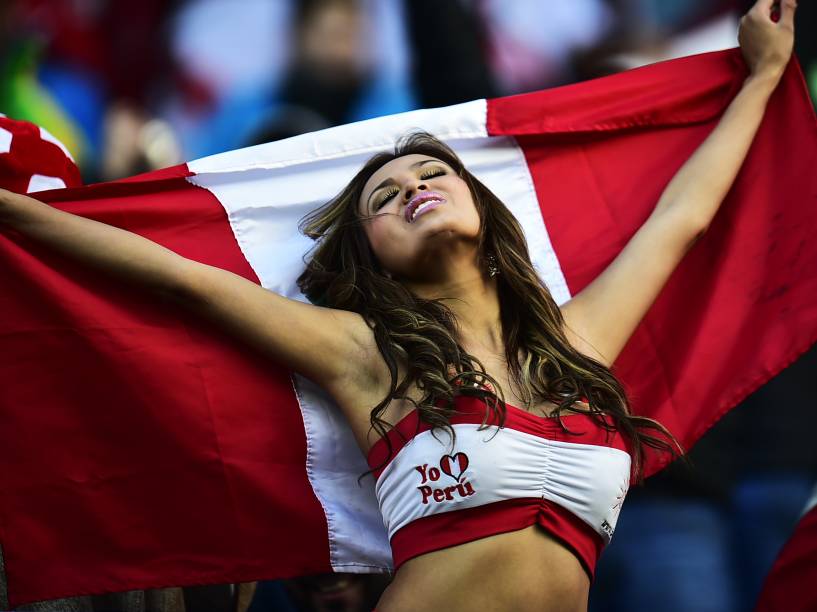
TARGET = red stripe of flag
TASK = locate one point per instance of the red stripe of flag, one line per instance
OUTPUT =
(159, 434)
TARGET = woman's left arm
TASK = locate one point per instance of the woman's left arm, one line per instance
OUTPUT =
(601, 318)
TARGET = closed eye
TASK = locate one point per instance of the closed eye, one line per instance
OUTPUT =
(429, 174)
(432, 173)
(388, 195)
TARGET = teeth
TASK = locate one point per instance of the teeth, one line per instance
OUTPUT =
(425, 204)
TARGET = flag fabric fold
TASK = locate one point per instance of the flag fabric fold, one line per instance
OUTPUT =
(144, 448)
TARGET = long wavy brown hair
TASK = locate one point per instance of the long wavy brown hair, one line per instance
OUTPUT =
(420, 335)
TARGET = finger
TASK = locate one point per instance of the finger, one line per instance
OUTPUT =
(787, 8)
(764, 6)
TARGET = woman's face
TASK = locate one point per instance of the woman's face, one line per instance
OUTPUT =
(416, 209)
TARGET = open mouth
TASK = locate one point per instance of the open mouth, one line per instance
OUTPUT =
(423, 203)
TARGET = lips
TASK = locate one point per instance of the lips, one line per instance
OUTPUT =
(418, 200)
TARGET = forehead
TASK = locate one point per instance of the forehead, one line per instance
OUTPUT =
(391, 169)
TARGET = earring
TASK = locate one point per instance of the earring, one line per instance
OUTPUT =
(493, 266)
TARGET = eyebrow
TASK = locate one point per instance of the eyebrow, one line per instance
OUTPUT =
(391, 180)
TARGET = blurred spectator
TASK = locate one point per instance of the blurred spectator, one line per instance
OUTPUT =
(335, 69)
(74, 65)
(22, 95)
(346, 60)
(531, 42)
(284, 122)
(448, 42)
(330, 66)
(220, 49)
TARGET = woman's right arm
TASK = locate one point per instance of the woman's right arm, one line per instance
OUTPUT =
(335, 348)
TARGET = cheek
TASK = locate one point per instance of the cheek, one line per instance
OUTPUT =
(462, 194)
(382, 235)
(375, 231)
(469, 209)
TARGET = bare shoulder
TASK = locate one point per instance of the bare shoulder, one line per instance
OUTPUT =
(365, 383)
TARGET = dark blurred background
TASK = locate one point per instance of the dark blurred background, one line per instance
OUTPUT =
(134, 86)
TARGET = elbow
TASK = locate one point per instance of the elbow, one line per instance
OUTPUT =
(695, 232)
(699, 226)
(180, 285)
(691, 212)
(684, 225)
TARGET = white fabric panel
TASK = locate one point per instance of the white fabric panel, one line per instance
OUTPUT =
(357, 542)
(588, 480)
(5, 140)
(40, 182)
(267, 189)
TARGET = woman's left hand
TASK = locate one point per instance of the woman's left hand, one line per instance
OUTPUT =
(766, 44)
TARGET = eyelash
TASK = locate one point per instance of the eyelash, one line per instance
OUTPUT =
(394, 191)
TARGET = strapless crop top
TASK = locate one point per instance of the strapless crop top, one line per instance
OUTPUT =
(496, 480)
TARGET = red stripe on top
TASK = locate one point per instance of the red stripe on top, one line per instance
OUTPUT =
(472, 410)
(135, 434)
(445, 529)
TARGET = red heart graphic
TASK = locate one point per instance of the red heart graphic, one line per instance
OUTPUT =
(454, 465)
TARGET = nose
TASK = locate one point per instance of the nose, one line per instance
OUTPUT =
(413, 187)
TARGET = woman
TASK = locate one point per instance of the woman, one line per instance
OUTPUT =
(431, 317)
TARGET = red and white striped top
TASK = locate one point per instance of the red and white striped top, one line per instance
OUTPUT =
(434, 494)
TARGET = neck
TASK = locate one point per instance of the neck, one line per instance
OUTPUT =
(473, 298)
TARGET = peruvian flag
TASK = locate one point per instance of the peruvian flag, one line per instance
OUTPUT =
(141, 447)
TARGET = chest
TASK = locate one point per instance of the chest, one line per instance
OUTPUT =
(399, 409)
(585, 471)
